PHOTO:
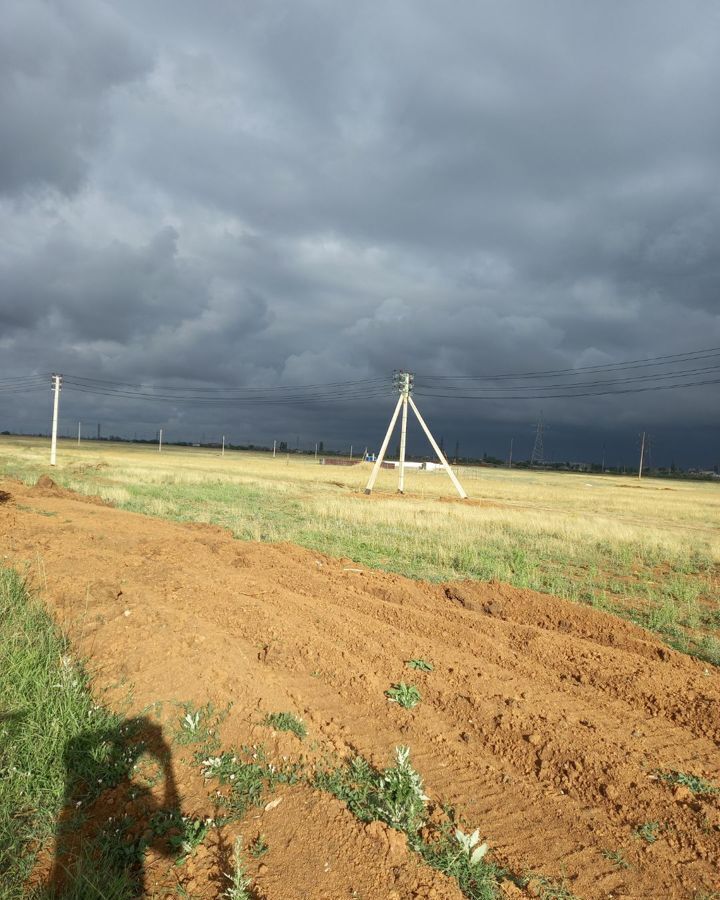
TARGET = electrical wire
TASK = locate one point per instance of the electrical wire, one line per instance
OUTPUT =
(669, 359)
(602, 393)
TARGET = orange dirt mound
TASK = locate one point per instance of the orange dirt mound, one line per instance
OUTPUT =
(543, 722)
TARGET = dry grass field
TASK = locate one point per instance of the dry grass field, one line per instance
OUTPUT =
(648, 550)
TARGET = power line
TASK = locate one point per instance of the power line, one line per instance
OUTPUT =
(274, 388)
(584, 384)
(629, 390)
(668, 359)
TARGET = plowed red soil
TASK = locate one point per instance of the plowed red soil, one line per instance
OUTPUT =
(543, 722)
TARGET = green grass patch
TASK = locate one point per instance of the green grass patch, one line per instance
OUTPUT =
(56, 743)
(285, 721)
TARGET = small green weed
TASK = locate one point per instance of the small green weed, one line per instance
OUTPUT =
(285, 721)
(239, 881)
(696, 783)
(200, 726)
(407, 695)
(394, 796)
(192, 833)
(548, 889)
(248, 775)
(259, 847)
(459, 856)
(419, 664)
(648, 831)
(616, 858)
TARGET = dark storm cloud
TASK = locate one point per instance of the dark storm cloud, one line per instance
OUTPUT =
(58, 64)
(303, 192)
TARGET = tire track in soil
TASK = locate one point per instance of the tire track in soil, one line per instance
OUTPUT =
(542, 722)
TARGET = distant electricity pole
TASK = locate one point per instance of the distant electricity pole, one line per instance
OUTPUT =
(57, 387)
(642, 454)
(79, 429)
(404, 382)
(538, 452)
(510, 457)
(223, 446)
(160, 441)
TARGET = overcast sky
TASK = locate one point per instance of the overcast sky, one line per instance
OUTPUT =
(288, 193)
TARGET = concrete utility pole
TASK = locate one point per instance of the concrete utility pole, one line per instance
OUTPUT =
(642, 454)
(79, 427)
(274, 446)
(160, 441)
(403, 382)
(223, 446)
(57, 387)
(404, 385)
(510, 457)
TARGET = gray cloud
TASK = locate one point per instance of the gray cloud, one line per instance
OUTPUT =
(302, 192)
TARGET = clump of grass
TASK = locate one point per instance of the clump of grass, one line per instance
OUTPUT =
(407, 695)
(285, 721)
(419, 664)
(696, 783)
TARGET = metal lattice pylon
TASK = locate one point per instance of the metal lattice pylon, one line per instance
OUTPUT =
(538, 453)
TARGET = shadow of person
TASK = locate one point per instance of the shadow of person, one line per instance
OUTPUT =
(121, 800)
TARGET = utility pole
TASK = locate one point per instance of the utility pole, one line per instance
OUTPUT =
(404, 387)
(160, 441)
(510, 457)
(79, 427)
(57, 387)
(602, 467)
(350, 451)
(642, 453)
(316, 449)
(223, 446)
(403, 381)
(274, 446)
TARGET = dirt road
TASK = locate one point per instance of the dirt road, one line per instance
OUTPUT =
(543, 722)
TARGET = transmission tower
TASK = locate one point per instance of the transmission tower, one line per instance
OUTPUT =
(538, 454)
